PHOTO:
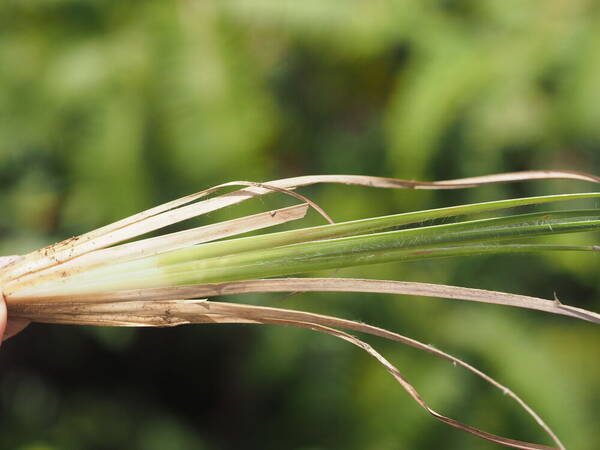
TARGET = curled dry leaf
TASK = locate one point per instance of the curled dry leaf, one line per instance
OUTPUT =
(170, 313)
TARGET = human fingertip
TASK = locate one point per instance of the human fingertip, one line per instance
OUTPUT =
(15, 326)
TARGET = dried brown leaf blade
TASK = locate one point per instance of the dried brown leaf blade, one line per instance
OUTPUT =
(180, 312)
(322, 285)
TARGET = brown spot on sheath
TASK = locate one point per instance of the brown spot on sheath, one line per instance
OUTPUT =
(168, 317)
(63, 274)
(273, 213)
(422, 252)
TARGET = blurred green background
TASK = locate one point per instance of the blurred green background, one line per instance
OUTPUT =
(108, 107)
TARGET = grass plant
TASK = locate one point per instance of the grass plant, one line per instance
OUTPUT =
(106, 278)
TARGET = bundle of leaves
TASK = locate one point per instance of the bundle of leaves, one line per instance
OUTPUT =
(107, 278)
